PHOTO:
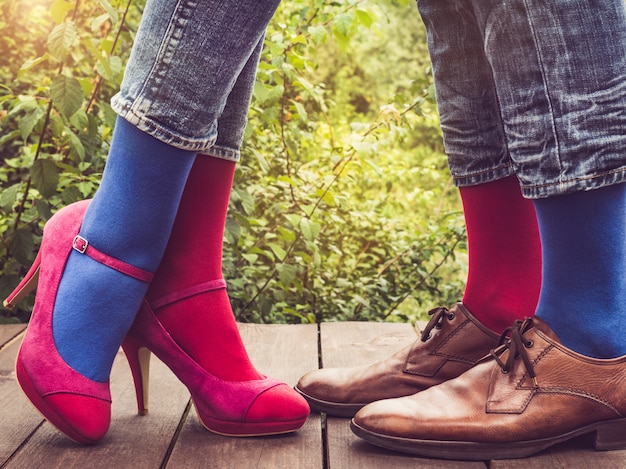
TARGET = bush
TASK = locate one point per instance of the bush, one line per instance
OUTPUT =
(342, 207)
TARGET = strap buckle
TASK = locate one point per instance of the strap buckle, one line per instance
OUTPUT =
(80, 244)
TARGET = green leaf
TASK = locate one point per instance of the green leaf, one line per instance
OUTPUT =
(265, 167)
(97, 21)
(343, 24)
(109, 114)
(109, 67)
(67, 94)
(29, 65)
(9, 136)
(309, 228)
(261, 92)
(294, 219)
(87, 83)
(301, 111)
(27, 123)
(76, 145)
(247, 202)
(329, 198)
(318, 33)
(59, 10)
(112, 12)
(43, 209)
(232, 231)
(61, 39)
(45, 176)
(22, 245)
(80, 120)
(364, 18)
(71, 194)
(279, 252)
(286, 274)
(374, 166)
(106, 45)
(431, 93)
(251, 258)
(56, 125)
(8, 197)
(86, 188)
(341, 39)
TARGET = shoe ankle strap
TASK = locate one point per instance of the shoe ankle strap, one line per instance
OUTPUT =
(81, 245)
(205, 287)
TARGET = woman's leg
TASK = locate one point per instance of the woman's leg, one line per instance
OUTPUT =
(188, 298)
(129, 219)
(184, 64)
(204, 324)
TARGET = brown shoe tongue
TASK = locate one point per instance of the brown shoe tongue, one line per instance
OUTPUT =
(541, 326)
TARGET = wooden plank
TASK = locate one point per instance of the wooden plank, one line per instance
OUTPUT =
(133, 440)
(574, 454)
(349, 344)
(17, 417)
(284, 352)
(9, 331)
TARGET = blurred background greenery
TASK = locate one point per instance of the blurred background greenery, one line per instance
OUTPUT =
(343, 207)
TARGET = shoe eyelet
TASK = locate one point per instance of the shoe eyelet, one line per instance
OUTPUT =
(428, 337)
(529, 344)
(438, 326)
(504, 372)
(451, 316)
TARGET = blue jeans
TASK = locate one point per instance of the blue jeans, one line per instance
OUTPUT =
(191, 71)
(535, 88)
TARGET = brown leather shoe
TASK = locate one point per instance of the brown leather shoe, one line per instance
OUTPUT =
(452, 342)
(531, 393)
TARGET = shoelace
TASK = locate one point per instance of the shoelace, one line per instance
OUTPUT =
(513, 339)
(438, 314)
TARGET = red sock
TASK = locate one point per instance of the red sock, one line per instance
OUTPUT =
(504, 247)
(203, 325)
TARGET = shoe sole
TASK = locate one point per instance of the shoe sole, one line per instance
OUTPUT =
(609, 435)
(336, 409)
(248, 429)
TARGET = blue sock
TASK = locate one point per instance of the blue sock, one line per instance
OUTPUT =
(583, 293)
(130, 219)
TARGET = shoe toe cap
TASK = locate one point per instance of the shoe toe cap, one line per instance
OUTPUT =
(84, 419)
(280, 404)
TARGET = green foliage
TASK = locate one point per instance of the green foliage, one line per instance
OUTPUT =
(342, 207)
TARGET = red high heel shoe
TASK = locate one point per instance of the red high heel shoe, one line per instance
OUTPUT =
(187, 322)
(232, 408)
(77, 406)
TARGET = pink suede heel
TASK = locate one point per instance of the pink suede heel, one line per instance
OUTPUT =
(78, 406)
(224, 407)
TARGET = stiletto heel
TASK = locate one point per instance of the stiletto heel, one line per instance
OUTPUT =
(26, 286)
(138, 358)
(76, 405)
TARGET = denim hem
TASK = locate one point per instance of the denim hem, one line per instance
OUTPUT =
(223, 153)
(158, 131)
(483, 177)
(596, 181)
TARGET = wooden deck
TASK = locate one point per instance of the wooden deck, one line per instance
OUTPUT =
(171, 436)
